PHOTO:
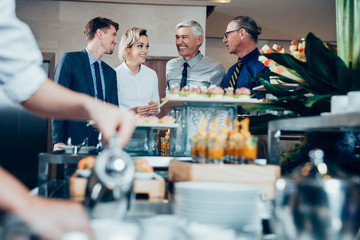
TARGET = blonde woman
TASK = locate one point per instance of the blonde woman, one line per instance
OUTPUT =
(137, 83)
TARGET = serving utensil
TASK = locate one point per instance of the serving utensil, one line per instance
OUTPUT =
(109, 187)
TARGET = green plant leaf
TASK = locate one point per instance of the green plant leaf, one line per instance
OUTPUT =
(319, 85)
(259, 107)
(283, 79)
(326, 65)
(310, 101)
(276, 91)
(324, 73)
(332, 47)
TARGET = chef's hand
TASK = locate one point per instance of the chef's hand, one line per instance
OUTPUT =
(110, 119)
(51, 219)
(141, 110)
(153, 107)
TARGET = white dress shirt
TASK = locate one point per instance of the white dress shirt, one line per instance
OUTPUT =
(202, 71)
(136, 90)
(20, 57)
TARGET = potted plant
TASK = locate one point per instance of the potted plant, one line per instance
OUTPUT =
(324, 73)
(329, 70)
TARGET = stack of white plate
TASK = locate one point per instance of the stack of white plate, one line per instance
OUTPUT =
(226, 204)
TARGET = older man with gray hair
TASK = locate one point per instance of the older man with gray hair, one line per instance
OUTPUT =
(191, 68)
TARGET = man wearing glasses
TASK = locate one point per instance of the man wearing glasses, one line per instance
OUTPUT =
(192, 69)
(240, 38)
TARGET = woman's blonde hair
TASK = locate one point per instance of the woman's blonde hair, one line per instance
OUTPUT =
(129, 37)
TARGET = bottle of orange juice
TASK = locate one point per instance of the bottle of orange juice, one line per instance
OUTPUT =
(250, 149)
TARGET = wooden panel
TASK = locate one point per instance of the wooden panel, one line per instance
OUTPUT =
(158, 64)
(155, 188)
(50, 59)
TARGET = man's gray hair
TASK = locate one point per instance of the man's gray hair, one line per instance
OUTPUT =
(195, 26)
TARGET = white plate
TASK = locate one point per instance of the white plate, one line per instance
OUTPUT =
(110, 229)
(225, 207)
(231, 221)
(144, 175)
(161, 126)
(174, 101)
(218, 201)
(216, 190)
(82, 150)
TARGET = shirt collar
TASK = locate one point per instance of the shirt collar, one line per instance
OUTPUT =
(129, 71)
(192, 62)
(91, 58)
(253, 54)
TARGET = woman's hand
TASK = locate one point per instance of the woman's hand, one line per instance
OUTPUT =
(141, 110)
(153, 108)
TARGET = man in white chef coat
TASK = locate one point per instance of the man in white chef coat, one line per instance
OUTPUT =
(23, 80)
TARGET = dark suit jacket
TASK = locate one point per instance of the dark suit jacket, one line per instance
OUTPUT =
(73, 71)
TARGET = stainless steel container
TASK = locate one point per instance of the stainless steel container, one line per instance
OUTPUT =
(109, 187)
(317, 202)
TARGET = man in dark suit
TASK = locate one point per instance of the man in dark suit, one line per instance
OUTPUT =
(240, 39)
(86, 73)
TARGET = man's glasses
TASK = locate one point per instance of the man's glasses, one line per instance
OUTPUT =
(227, 33)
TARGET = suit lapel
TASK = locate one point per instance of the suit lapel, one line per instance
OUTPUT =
(87, 71)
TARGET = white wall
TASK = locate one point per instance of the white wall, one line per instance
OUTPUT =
(217, 50)
(58, 25)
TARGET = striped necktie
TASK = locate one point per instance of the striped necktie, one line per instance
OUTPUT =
(235, 76)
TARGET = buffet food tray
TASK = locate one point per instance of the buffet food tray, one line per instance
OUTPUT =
(159, 126)
(175, 101)
(161, 161)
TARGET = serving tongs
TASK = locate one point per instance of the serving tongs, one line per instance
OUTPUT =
(76, 148)
(85, 144)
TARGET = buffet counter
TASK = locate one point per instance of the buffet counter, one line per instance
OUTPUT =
(326, 122)
(161, 206)
(188, 110)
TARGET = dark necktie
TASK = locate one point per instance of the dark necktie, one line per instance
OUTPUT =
(98, 82)
(184, 76)
(235, 76)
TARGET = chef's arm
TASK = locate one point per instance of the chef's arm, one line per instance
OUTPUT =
(14, 194)
(59, 102)
(49, 219)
